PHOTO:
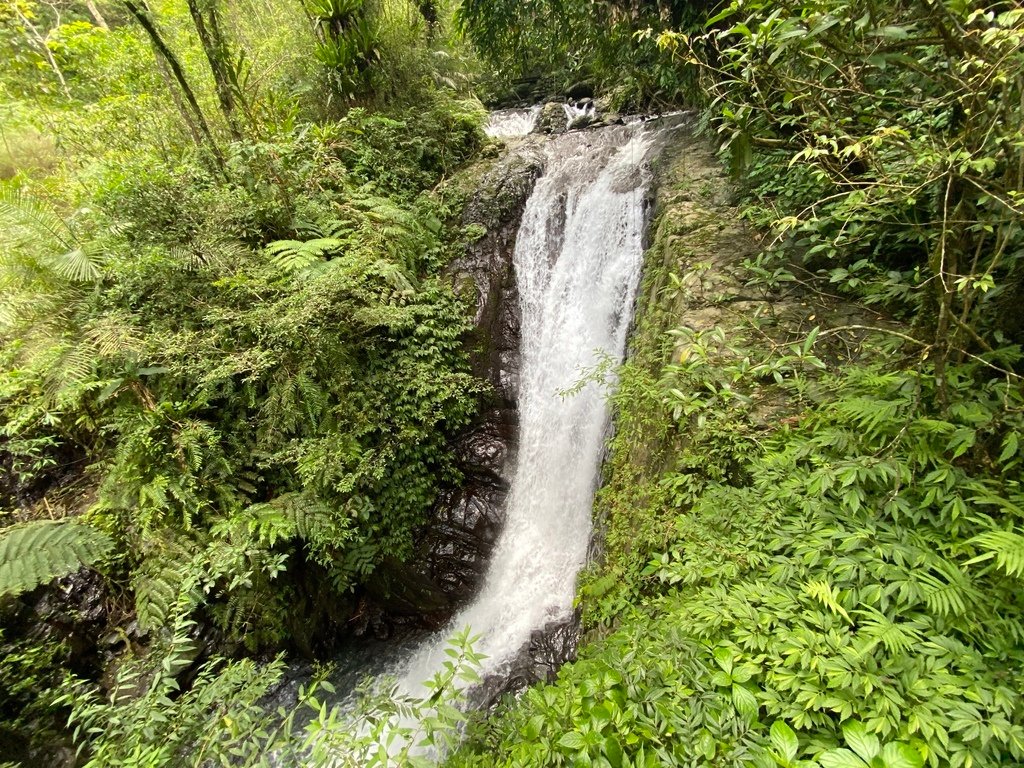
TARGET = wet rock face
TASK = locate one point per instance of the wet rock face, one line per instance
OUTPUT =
(552, 118)
(72, 610)
(73, 614)
(539, 660)
(468, 519)
(454, 548)
(485, 273)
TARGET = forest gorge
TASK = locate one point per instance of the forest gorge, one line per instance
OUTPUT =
(244, 361)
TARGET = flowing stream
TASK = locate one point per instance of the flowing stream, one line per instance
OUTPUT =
(511, 123)
(577, 264)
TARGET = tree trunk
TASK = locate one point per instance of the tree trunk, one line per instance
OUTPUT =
(164, 53)
(32, 32)
(217, 54)
(428, 10)
(94, 11)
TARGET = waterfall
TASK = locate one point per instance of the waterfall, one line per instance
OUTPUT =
(577, 263)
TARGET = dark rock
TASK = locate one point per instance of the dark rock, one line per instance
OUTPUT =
(580, 91)
(456, 546)
(538, 661)
(453, 549)
(402, 590)
(486, 270)
(72, 609)
(552, 118)
(584, 120)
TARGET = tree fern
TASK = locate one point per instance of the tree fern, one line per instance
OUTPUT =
(35, 553)
(298, 255)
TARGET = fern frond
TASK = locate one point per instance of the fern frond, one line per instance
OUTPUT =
(209, 250)
(156, 593)
(24, 215)
(823, 592)
(114, 334)
(947, 590)
(80, 265)
(297, 255)
(38, 552)
(1007, 547)
(897, 637)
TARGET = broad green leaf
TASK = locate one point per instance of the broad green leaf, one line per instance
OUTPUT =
(745, 701)
(784, 740)
(1010, 446)
(899, 755)
(573, 740)
(840, 758)
(863, 743)
(613, 752)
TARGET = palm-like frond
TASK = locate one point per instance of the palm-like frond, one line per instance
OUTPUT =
(35, 241)
(299, 255)
(28, 217)
(35, 553)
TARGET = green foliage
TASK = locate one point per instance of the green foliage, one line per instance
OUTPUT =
(560, 43)
(214, 383)
(37, 552)
(884, 146)
(347, 43)
(224, 328)
(852, 579)
(865, 750)
(148, 720)
(29, 670)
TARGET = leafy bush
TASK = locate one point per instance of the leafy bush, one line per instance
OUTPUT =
(223, 718)
(862, 570)
(886, 149)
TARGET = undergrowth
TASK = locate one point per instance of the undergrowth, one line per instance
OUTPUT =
(854, 569)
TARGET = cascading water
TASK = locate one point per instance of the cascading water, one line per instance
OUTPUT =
(577, 263)
(509, 123)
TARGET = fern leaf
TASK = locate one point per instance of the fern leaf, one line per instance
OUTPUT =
(34, 217)
(297, 255)
(947, 590)
(823, 592)
(897, 637)
(80, 265)
(156, 593)
(38, 552)
(1007, 547)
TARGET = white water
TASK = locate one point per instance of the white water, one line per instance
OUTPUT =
(573, 112)
(512, 123)
(577, 263)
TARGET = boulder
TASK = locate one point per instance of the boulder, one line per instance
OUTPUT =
(580, 91)
(552, 118)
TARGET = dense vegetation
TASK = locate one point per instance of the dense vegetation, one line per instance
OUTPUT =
(232, 370)
(815, 551)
